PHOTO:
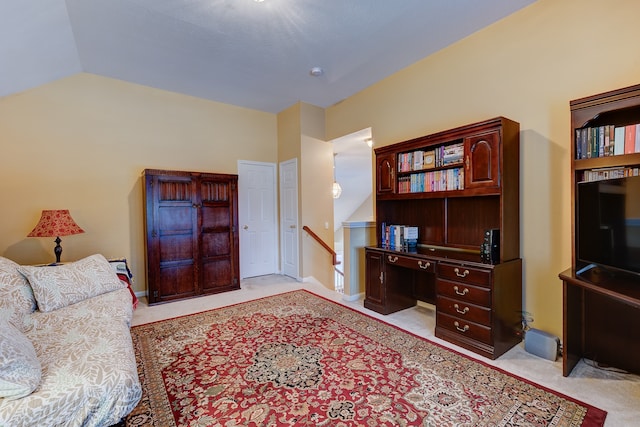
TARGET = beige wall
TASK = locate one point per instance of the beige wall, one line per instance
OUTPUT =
(526, 67)
(301, 130)
(316, 172)
(81, 144)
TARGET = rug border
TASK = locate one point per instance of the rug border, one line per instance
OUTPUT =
(593, 417)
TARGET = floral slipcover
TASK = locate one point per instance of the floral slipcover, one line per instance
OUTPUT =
(89, 374)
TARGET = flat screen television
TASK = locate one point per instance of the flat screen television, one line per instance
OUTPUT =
(608, 224)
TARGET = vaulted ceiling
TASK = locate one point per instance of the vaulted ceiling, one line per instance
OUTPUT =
(242, 52)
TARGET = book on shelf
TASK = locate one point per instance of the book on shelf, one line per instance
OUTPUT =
(630, 139)
(418, 160)
(429, 159)
(607, 140)
(619, 141)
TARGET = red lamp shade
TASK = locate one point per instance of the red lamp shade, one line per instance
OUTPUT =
(56, 223)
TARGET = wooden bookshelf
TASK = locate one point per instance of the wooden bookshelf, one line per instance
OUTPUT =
(600, 308)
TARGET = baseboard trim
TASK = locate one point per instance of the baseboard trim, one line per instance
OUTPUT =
(351, 298)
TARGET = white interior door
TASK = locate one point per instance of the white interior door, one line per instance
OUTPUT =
(258, 218)
(289, 217)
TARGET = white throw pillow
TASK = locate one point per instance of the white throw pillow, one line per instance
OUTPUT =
(58, 286)
(16, 296)
(20, 370)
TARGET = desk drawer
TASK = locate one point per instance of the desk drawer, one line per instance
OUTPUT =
(464, 328)
(411, 262)
(465, 274)
(464, 293)
(464, 311)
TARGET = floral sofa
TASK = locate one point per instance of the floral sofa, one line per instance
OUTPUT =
(66, 356)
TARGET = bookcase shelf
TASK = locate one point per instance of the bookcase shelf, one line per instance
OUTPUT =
(607, 162)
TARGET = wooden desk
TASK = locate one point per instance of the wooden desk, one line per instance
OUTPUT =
(601, 319)
(478, 306)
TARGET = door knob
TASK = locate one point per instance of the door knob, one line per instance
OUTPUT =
(246, 227)
(292, 226)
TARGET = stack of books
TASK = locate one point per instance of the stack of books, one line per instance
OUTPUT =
(452, 154)
(609, 173)
(399, 237)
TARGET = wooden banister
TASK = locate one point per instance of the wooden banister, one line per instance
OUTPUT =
(322, 243)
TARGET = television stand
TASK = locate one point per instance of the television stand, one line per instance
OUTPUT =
(601, 312)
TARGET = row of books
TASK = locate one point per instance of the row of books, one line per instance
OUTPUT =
(440, 180)
(609, 173)
(399, 237)
(608, 140)
(445, 155)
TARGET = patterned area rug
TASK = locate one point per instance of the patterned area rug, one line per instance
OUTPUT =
(297, 359)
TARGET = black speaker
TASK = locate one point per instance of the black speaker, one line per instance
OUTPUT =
(490, 248)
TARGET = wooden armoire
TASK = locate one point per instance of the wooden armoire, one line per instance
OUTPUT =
(191, 242)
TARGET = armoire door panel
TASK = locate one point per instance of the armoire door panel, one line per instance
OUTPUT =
(178, 218)
(217, 274)
(214, 191)
(177, 280)
(176, 248)
(216, 244)
(216, 217)
(175, 190)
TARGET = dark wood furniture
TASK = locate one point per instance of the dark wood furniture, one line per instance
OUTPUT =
(600, 309)
(191, 244)
(478, 305)
(600, 319)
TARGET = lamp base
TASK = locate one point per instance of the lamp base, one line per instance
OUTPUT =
(58, 249)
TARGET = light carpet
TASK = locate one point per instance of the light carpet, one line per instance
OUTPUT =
(298, 359)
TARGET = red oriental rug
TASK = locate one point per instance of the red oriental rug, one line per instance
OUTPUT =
(297, 359)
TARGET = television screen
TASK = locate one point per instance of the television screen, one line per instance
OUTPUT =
(608, 223)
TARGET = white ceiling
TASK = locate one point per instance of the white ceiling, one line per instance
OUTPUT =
(242, 52)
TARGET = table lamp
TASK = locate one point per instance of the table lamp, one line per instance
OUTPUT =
(56, 223)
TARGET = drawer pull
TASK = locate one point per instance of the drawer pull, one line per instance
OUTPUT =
(464, 311)
(457, 290)
(424, 266)
(463, 329)
(392, 258)
(464, 273)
